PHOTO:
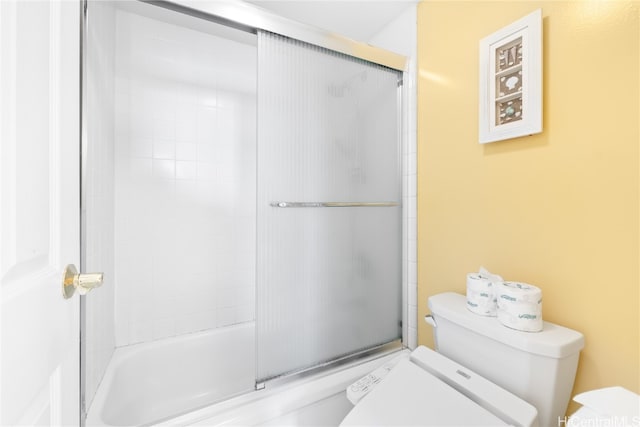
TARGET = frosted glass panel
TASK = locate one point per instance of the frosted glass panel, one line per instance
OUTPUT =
(328, 278)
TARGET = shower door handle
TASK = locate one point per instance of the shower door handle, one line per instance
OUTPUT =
(73, 281)
(332, 204)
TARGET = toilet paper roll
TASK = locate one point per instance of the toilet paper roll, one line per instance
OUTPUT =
(481, 295)
(519, 306)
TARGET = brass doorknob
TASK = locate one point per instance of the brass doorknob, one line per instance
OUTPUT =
(73, 281)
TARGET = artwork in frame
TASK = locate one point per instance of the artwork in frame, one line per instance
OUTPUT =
(511, 80)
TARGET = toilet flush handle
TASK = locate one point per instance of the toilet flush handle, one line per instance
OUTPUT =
(430, 320)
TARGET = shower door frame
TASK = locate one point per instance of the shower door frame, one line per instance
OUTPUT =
(248, 18)
(245, 17)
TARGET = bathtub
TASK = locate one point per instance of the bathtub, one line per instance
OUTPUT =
(208, 378)
(152, 381)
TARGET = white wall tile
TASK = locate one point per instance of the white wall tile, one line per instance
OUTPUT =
(164, 122)
(245, 313)
(226, 316)
(413, 317)
(164, 327)
(141, 147)
(413, 338)
(164, 169)
(164, 149)
(227, 297)
(186, 170)
(186, 151)
(175, 223)
(186, 123)
(210, 319)
(140, 332)
(208, 153)
(206, 171)
(140, 168)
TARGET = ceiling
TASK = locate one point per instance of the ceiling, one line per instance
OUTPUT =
(358, 20)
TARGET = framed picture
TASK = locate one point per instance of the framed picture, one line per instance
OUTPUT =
(511, 80)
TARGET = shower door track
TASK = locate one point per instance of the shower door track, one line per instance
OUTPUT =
(248, 18)
(349, 359)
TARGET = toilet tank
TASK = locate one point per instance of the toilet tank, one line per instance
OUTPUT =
(538, 367)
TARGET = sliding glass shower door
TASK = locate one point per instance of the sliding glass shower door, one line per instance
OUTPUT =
(329, 206)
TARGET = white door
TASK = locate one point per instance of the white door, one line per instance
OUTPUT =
(39, 211)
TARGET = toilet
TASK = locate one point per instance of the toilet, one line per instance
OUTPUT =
(482, 374)
(428, 389)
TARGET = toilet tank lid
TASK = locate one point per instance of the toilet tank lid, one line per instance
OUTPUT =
(553, 341)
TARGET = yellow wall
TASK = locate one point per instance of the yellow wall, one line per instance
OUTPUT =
(559, 209)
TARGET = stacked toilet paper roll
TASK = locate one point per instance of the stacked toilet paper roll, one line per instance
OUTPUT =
(481, 292)
(519, 306)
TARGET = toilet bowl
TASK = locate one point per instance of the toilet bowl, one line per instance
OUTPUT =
(429, 389)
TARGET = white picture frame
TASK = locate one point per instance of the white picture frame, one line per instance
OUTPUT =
(511, 81)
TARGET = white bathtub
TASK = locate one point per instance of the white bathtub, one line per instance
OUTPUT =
(170, 382)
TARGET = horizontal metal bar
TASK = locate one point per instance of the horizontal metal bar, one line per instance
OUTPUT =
(332, 204)
(348, 360)
(251, 18)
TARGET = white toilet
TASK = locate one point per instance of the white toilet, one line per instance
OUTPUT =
(428, 389)
(483, 373)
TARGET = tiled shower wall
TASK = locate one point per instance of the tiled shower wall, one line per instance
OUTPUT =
(185, 180)
(400, 36)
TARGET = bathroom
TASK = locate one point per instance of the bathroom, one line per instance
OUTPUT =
(558, 209)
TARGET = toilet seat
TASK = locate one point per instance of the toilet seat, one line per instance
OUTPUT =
(429, 389)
